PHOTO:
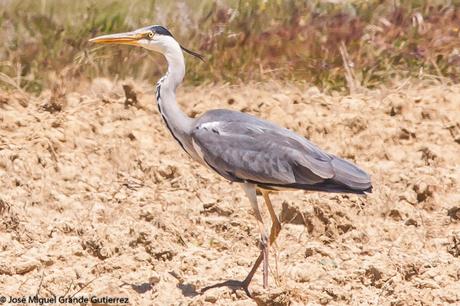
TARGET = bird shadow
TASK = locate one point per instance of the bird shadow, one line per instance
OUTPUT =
(188, 290)
(141, 288)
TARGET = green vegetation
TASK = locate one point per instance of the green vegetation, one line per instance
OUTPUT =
(333, 44)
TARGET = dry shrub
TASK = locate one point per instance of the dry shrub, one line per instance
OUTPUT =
(245, 40)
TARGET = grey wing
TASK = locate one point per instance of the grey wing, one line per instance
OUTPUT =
(241, 147)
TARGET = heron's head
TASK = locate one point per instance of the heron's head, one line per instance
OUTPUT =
(155, 38)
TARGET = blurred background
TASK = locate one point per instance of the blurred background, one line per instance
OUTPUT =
(336, 45)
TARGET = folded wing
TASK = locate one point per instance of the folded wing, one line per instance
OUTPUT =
(241, 148)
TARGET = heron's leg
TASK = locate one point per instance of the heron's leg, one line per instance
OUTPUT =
(276, 225)
(235, 284)
(274, 232)
(250, 190)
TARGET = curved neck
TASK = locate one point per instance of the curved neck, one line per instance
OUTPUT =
(178, 123)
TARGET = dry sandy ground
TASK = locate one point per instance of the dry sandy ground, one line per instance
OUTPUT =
(96, 198)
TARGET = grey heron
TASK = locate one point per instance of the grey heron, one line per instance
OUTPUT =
(242, 148)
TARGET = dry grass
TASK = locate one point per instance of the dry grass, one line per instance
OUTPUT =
(243, 40)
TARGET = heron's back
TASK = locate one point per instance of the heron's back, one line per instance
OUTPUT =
(244, 148)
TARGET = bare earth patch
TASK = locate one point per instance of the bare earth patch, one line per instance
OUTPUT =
(96, 198)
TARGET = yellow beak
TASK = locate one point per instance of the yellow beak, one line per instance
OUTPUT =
(128, 38)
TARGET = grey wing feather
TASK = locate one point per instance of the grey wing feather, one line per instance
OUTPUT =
(241, 147)
(350, 175)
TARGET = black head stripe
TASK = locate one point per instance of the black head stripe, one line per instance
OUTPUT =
(163, 31)
(160, 30)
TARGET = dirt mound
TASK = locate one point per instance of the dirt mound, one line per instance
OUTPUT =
(97, 199)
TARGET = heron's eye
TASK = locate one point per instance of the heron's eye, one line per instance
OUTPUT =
(150, 35)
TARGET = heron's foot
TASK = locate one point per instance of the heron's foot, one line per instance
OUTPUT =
(232, 284)
(263, 245)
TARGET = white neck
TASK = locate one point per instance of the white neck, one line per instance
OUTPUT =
(177, 121)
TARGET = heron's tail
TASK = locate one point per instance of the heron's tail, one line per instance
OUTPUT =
(350, 175)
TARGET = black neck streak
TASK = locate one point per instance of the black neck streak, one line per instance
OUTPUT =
(163, 115)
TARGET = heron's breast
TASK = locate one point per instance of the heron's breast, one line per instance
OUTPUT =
(199, 156)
